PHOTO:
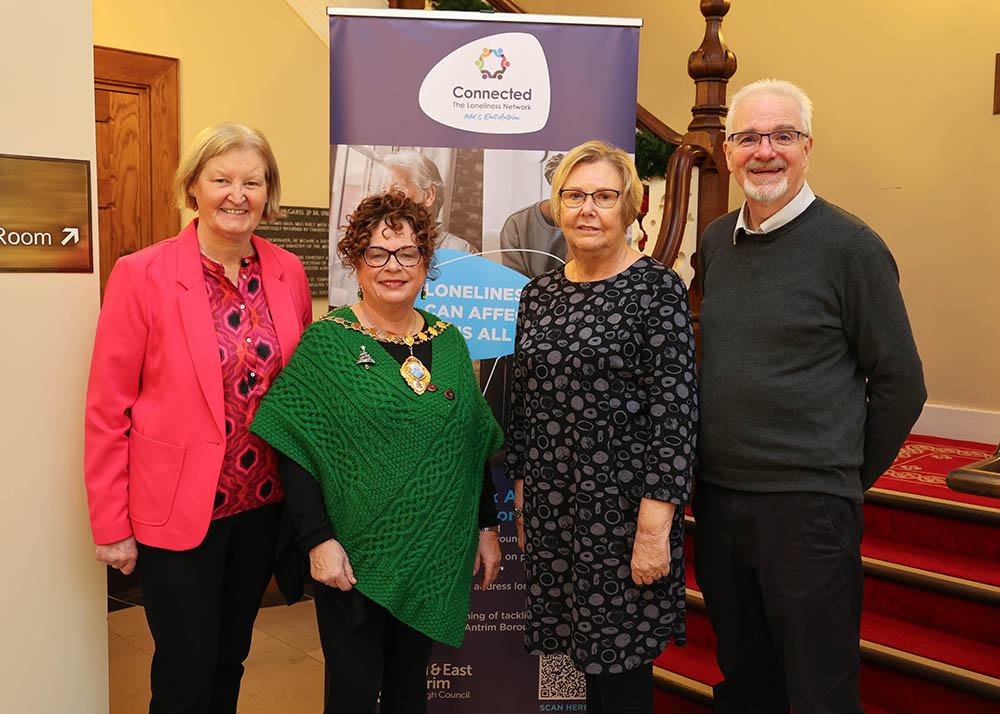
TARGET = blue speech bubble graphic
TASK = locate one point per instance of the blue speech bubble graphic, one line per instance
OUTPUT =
(479, 297)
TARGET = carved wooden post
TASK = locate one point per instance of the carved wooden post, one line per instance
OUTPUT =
(711, 66)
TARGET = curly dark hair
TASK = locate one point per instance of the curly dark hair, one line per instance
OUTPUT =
(394, 208)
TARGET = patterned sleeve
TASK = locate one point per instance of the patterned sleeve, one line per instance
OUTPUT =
(670, 380)
(516, 430)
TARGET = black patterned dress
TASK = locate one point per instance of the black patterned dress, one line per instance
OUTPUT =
(603, 413)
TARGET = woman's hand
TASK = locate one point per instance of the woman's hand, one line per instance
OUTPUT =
(651, 551)
(488, 555)
(650, 557)
(329, 564)
(121, 555)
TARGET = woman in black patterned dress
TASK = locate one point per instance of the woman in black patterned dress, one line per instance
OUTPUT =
(601, 440)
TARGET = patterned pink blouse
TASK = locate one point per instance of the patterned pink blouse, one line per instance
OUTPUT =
(251, 359)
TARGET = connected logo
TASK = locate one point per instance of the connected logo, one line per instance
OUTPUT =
(500, 95)
(503, 63)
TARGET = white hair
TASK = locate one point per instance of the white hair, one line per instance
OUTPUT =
(422, 171)
(775, 87)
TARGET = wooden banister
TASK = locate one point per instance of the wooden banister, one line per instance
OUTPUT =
(645, 119)
(981, 478)
(675, 201)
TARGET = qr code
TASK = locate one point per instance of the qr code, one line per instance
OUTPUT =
(559, 679)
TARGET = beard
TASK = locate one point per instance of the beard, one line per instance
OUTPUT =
(770, 191)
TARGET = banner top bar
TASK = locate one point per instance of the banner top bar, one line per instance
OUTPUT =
(485, 16)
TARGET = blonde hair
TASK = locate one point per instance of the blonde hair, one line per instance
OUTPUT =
(218, 139)
(593, 152)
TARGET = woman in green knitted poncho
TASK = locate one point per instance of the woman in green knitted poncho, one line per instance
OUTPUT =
(384, 440)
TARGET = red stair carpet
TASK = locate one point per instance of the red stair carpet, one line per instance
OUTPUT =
(931, 623)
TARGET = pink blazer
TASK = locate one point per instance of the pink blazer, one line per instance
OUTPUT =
(155, 419)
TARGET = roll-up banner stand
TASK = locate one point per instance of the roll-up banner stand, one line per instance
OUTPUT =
(469, 114)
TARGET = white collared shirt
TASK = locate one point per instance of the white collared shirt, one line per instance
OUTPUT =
(788, 212)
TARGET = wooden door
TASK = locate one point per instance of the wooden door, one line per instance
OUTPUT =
(136, 114)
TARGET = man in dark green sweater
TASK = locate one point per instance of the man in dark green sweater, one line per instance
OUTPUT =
(810, 382)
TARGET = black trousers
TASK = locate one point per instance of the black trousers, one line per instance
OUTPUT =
(630, 692)
(782, 579)
(201, 605)
(368, 652)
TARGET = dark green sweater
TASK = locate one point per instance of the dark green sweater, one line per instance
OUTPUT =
(401, 473)
(810, 379)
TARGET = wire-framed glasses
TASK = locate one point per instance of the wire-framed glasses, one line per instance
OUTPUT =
(751, 139)
(407, 256)
(603, 198)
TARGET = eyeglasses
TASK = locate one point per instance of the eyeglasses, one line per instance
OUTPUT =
(751, 139)
(605, 198)
(407, 256)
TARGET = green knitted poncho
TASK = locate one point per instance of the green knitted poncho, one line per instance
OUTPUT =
(401, 473)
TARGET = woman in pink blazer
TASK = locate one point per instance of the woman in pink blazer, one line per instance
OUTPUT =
(192, 332)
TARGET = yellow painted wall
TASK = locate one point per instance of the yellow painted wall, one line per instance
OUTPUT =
(905, 139)
(53, 628)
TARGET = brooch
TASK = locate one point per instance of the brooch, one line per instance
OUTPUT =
(365, 358)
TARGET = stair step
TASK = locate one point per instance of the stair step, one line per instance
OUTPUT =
(910, 684)
(980, 570)
(938, 609)
(941, 537)
(685, 687)
(695, 660)
(961, 588)
(934, 645)
(943, 508)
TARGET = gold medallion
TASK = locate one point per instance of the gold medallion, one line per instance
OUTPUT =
(415, 374)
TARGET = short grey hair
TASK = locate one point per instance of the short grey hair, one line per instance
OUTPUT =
(423, 172)
(776, 87)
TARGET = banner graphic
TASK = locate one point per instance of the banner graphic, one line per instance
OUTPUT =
(469, 115)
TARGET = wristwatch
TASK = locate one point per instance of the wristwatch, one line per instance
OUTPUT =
(495, 529)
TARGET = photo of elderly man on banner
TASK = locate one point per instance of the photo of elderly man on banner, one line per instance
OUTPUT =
(483, 109)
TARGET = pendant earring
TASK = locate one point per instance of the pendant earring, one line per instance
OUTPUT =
(361, 294)
(423, 292)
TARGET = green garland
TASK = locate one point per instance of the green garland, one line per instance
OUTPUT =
(652, 154)
(462, 5)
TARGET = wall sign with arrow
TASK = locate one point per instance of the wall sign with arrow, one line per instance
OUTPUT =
(45, 215)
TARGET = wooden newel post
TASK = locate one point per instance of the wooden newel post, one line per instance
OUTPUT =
(710, 66)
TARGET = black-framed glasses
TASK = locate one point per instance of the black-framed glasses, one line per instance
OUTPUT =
(751, 139)
(407, 256)
(603, 198)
